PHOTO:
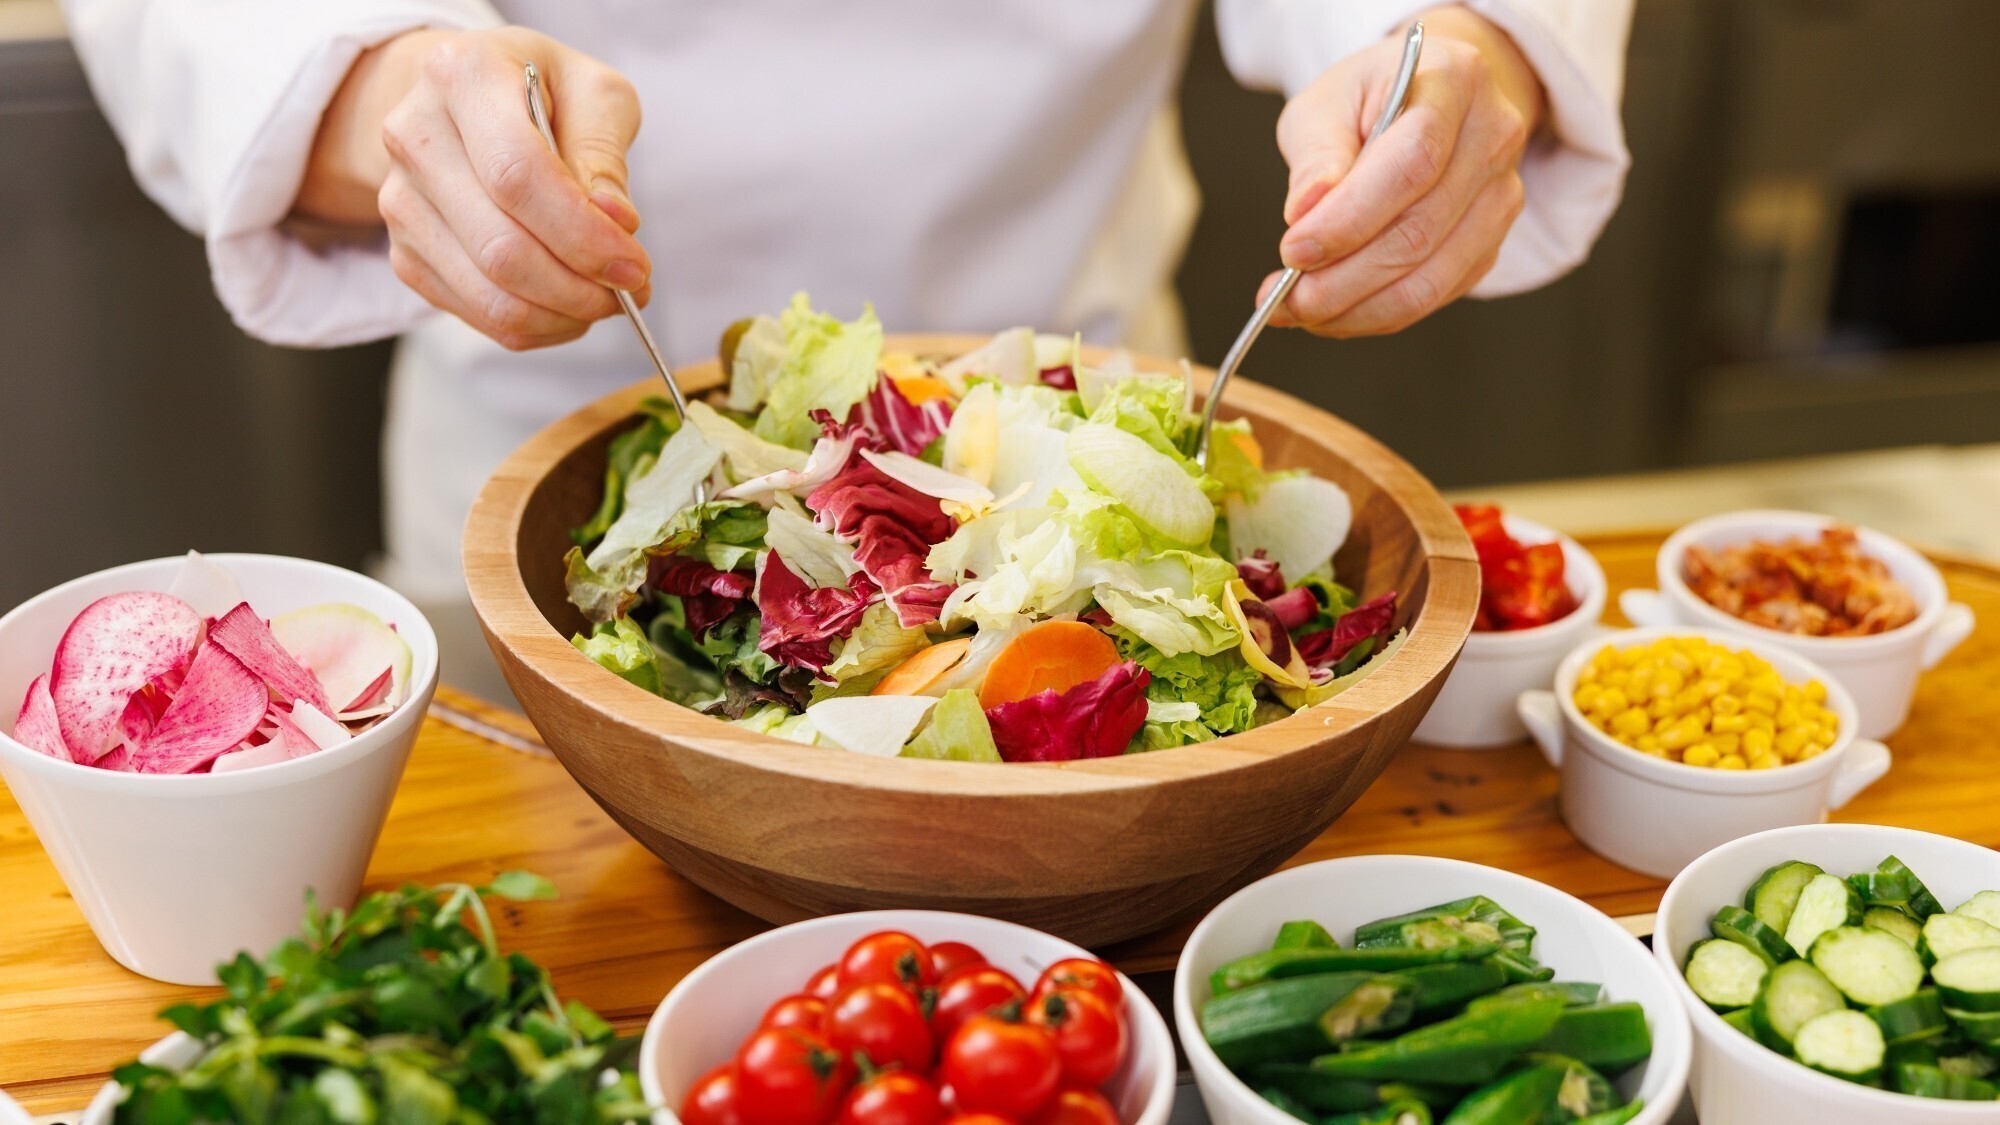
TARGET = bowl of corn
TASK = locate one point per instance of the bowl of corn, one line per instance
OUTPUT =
(1674, 741)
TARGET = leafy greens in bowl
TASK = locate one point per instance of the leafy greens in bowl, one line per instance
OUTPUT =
(1007, 555)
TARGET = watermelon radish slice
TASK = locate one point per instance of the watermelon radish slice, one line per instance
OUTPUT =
(142, 713)
(348, 648)
(36, 727)
(206, 586)
(118, 761)
(115, 647)
(219, 705)
(248, 639)
(269, 754)
(286, 734)
(318, 726)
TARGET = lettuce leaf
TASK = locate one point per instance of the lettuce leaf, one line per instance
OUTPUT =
(1223, 685)
(731, 535)
(957, 731)
(815, 554)
(622, 647)
(656, 519)
(778, 722)
(828, 366)
(630, 454)
(878, 643)
(760, 354)
(745, 456)
(1152, 407)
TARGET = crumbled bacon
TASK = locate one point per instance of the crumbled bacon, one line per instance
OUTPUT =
(1826, 588)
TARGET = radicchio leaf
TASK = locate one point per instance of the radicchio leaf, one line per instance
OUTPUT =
(1062, 378)
(893, 528)
(707, 595)
(898, 423)
(1376, 619)
(1294, 607)
(801, 621)
(1093, 720)
(1262, 576)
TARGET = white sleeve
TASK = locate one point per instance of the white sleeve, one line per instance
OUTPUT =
(217, 103)
(1574, 171)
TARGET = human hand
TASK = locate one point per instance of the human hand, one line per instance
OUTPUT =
(484, 221)
(1389, 238)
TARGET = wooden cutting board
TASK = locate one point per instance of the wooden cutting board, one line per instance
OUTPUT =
(480, 797)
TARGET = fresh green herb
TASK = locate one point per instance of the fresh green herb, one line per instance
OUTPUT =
(402, 1011)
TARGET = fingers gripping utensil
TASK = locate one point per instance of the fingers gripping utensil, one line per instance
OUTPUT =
(538, 112)
(1413, 48)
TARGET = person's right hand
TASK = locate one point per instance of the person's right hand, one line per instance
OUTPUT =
(484, 221)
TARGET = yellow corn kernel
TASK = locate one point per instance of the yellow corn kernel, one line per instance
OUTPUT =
(1684, 733)
(1687, 699)
(1730, 668)
(1732, 762)
(1631, 723)
(1730, 724)
(1724, 743)
(1761, 721)
(1586, 697)
(1611, 701)
(1787, 716)
(1815, 691)
(1789, 742)
(1726, 704)
(1617, 677)
(1760, 702)
(1701, 754)
(1811, 752)
(1756, 742)
(1765, 761)
(1650, 743)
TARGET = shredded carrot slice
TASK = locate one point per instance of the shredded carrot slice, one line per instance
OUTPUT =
(922, 669)
(1052, 656)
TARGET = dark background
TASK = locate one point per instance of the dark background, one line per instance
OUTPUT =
(1807, 260)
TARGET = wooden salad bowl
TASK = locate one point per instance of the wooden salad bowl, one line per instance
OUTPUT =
(1096, 850)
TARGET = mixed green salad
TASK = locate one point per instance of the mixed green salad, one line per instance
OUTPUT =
(1007, 555)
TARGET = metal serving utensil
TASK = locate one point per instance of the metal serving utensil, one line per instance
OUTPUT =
(1413, 48)
(538, 112)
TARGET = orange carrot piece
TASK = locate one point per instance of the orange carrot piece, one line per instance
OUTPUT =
(921, 669)
(1052, 656)
(920, 389)
(1253, 452)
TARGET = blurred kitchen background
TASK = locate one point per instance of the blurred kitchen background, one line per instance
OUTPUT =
(1806, 263)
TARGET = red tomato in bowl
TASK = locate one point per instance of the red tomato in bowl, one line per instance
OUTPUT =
(972, 991)
(948, 956)
(714, 1099)
(994, 1066)
(1085, 975)
(825, 984)
(883, 1022)
(801, 1010)
(789, 1076)
(889, 957)
(977, 1119)
(893, 1097)
(1089, 1036)
(1078, 1107)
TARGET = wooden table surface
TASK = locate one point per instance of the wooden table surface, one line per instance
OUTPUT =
(480, 796)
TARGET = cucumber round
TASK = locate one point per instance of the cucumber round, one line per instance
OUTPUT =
(1775, 894)
(1869, 966)
(1922, 903)
(1846, 1044)
(1948, 934)
(1793, 993)
(1892, 921)
(1905, 1021)
(1984, 906)
(1970, 981)
(1828, 902)
(1742, 927)
(1724, 973)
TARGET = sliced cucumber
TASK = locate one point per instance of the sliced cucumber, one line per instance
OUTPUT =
(1980, 1027)
(1775, 894)
(1919, 1017)
(1846, 1044)
(1871, 967)
(1948, 934)
(1933, 1082)
(1724, 973)
(1922, 903)
(1793, 993)
(1742, 927)
(1984, 906)
(1970, 981)
(1881, 888)
(1892, 921)
(1828, 902)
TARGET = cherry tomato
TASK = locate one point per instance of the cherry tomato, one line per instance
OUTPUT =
(714, 1099)
(1086, 975)
(949, 955)
(788, 1076)
(976, 1119)
(1090, 1037)
(884, 1022)
(994, 1066)
(1078, 1107)
(802, 1011)
(825, 984)
(972, 991)
(887, 958)
(893, 1097)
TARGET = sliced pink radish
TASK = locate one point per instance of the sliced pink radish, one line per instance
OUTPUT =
(119, 760)
(318, 726)
(142, 712)
(248, 639)
(219, 705)
(347, 647)
(269, 754)
(376, 694)
(206, 586)
(36, 727)
(116, 646)
(287, 736)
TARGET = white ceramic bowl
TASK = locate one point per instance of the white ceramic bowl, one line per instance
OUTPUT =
(11, 1112)
(1879, 671)
(1574, 937)
(1475, 708)
(1738, 1081)
(710, 1012)
(1653, 815)
(176, 1052)
(175, 874)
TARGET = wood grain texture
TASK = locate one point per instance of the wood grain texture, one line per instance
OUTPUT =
(788, 831)
(627, 928)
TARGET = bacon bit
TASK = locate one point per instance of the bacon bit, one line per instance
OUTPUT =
(1813, 589)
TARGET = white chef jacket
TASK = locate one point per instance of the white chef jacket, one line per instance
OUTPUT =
(961, 166)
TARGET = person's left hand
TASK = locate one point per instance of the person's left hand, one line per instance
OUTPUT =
(1389, 238)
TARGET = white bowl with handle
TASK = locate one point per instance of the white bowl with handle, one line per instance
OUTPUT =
(1576, 939)
(1654, 815)
(177, 873)
(1475, 708)
(712, 1010)
(1739, 1081)
(1880, 671)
